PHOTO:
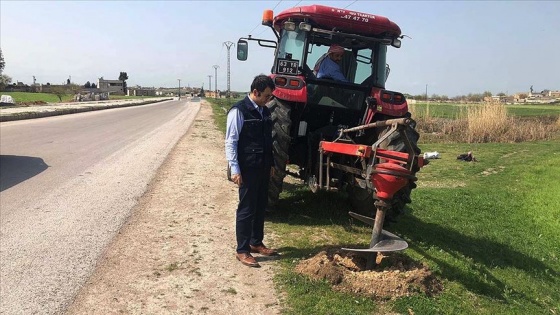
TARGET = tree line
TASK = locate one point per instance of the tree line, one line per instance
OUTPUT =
(471, 97)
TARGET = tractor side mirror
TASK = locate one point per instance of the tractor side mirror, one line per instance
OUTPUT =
(242, 50)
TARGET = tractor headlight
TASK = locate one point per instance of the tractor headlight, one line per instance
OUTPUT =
(289, 26)
(305, 26)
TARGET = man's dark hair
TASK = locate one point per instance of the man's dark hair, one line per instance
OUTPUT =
(261, 82)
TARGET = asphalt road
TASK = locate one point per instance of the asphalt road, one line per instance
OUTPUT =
(67, 184)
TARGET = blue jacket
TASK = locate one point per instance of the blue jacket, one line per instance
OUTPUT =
(254, 145)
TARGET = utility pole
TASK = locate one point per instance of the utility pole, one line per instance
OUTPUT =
(228, 45)
(216, 80)
(179, 88)
(209, 82)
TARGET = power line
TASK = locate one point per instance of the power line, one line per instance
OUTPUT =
(276, 5)
(254, 28)
(350, 4)
(261, 24)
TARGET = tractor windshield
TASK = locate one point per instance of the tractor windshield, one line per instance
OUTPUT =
(359, 65)
(292, 45)
(362, 62)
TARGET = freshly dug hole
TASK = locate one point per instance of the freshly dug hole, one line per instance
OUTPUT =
(394, 276)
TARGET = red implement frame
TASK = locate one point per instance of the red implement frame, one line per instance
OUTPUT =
(387, 170)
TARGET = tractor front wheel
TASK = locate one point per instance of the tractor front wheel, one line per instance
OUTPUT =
(281, 124)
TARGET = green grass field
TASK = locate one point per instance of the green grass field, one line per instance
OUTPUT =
(25, 97)
(487, 229)
(448, 110)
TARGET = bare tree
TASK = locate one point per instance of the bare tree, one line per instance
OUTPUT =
(2, 62)
(59, 91)
(123, 76)
(5, 80)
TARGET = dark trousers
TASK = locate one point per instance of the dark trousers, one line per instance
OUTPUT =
(253, 198)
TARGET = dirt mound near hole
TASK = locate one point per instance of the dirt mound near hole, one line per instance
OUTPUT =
(393, 276)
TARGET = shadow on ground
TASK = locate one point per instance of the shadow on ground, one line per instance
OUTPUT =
(15, 169)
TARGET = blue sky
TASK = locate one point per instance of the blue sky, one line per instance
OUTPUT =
(456, 47)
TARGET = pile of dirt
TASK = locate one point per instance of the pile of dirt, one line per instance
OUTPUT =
(393, 276)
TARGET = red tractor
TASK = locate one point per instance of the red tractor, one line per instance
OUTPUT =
(355, 135)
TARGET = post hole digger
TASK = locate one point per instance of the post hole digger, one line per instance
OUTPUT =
(382, 171)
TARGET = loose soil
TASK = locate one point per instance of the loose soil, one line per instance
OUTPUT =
(393, 276)
(175, 255)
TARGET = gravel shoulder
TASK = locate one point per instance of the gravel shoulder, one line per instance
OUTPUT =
(175, 255)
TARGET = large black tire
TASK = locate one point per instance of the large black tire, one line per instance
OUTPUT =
(280, 112)
(396, 143)
(363, 201)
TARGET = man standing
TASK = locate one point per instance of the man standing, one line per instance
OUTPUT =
(328, 67)
(249, 154)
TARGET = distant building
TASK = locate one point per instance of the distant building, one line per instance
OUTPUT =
(49, 88)
(111, 86)
(212, 94)
(499, 99)
(554, 94)
(167, 92)
(17, 87)
(544, 97)
(135, 91)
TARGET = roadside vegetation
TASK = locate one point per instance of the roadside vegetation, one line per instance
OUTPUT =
(126, 97)
(29, 98)
(488, 230)
(489, 122)
(37, 98)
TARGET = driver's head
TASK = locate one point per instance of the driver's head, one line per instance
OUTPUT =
(336, 52)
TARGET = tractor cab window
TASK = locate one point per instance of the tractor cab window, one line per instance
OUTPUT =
(372, 67)
(360, 66)
(291, 46)
(347, 61)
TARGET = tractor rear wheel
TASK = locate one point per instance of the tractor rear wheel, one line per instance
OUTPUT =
(281, 124)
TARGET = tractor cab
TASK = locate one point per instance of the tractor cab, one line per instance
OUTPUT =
(304, 36)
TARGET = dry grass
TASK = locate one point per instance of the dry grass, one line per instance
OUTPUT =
(486, 123)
